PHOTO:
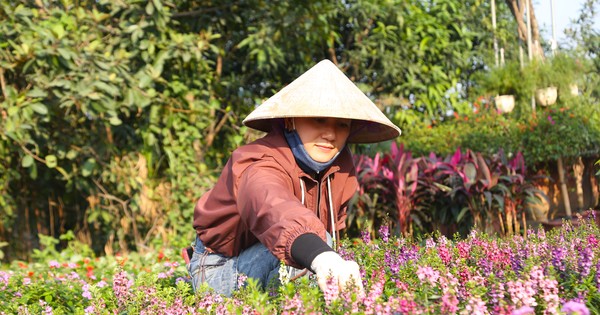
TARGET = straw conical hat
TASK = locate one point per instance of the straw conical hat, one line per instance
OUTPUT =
(325, 91)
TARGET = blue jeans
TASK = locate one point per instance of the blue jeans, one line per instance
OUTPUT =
(221, 272)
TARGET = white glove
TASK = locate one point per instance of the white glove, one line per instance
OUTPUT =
(343, 272)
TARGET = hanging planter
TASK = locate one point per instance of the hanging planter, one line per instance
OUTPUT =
(574, 89)
(546, 96)
(504, 103)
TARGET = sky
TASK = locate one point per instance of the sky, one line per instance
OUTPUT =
(565, 11)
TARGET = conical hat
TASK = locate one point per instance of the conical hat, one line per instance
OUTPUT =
(325, 91)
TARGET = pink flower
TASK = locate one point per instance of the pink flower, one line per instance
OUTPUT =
(241, 280)
(427, 273)
(331, 292)
(551, 120)
(54, 264)
(525, 310)
(573, 308)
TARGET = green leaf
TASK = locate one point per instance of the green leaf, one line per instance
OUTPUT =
(88, 167)
(149, 8)
(115, 121)
(157, 4)
(71, 154)
(51, 161)
(37, 93)
(110, 89)
(39, 108)
(58, 30)
(27, 161)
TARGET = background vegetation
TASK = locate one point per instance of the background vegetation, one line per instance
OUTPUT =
(115, 116)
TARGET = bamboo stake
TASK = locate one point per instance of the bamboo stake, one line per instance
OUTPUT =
(563, 187)
(503, 229)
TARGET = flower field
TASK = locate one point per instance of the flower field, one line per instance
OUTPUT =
(553, 272)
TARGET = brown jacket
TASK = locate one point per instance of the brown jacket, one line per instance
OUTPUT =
(258, 199)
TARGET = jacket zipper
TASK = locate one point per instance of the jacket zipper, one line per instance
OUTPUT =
(318, 199)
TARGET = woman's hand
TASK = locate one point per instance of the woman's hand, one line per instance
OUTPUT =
(344, 273)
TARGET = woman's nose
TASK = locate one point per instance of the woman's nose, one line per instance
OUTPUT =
(329, 132)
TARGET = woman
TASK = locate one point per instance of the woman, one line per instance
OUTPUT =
(284, 196)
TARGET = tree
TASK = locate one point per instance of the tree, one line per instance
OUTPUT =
(518, 10)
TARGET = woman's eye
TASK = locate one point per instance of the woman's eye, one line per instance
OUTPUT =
(344, 124)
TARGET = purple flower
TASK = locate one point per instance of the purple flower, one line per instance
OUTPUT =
(366, 236)
(598, 275)
(586, 255)
(558, 256)
(551, 120)
(573, 307)
(384, 232)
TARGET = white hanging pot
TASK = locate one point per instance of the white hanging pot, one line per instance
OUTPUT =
(505, 103)
(546, 96)
(574, 89)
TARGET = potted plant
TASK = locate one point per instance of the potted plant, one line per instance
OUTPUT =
(546, 90)
(505, 83)
(554, 76)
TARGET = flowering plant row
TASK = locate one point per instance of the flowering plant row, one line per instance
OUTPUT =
(554, 272)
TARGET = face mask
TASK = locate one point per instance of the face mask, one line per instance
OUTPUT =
(304, 160)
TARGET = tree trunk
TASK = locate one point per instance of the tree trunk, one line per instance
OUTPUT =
(517, 8)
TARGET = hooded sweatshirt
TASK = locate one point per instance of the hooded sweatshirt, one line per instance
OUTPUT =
(259, 198)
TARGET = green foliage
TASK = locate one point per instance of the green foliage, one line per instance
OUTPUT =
(121, 114)
(509, 79)
(106, 107)
(564, 129)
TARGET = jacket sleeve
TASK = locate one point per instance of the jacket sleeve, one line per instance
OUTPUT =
(270, 210)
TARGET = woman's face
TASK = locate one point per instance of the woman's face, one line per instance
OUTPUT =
(323, 137)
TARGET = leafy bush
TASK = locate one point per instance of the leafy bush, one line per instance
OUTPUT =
(106, 112)
(568, 129)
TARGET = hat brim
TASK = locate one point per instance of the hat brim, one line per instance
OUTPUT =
(362, 131)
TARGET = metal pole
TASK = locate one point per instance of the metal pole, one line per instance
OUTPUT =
(529, 52)
(494, 30)
(554, 43)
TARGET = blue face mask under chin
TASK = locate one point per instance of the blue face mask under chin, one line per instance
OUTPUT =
(303, 159)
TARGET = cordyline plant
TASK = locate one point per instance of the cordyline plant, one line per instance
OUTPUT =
(391, 179)
(453, 193)
(538, 273)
